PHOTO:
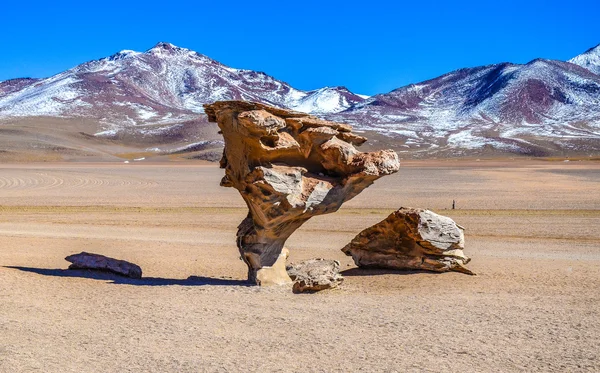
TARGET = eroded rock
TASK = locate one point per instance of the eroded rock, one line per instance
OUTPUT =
(276, 274)
(315, 275)
(411, 238)
(103, 263)
(288, 167)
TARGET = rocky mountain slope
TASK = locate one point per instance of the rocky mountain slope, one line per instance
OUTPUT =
(154, 99)
(151, 102)
(164, 82)
(543, 107)
(589, 60)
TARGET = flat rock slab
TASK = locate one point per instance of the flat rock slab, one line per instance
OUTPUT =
(411, 238)
(103, 263)
(315, 275)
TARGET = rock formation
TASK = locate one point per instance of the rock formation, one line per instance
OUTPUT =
(411, 239)
(103, 263)
(315, 275)
(288, 167)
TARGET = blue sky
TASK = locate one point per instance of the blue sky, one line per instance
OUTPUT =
(369, 46)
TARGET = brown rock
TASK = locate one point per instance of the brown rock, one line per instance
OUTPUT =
(411, 239)
(103, 263)
(315, 275)
(288, 167)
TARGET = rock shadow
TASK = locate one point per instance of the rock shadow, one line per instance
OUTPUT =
(363, 272)
(120, 280)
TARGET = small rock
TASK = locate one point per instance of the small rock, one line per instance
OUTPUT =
(103, 263)
(315, 275)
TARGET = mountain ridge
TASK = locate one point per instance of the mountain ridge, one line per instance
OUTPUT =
(155, 97)
(501, 106)
(188, 80)
(589, 59)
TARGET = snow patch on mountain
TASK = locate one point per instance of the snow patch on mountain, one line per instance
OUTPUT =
(325, 100)
(160, 94)
(50, 97)
(131, 87)
(503, 106)
(589, 60)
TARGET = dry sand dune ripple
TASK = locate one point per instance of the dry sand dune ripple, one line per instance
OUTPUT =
(43, 180)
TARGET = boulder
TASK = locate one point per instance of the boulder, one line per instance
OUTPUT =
(288, 167)
(103, 263)
(411, 238)
(315, 275)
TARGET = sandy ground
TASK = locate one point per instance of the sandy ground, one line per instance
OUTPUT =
(532, 232)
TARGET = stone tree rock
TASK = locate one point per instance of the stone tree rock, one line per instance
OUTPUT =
(288, 167)
(411, 239)
(315, 275)
(103, 263)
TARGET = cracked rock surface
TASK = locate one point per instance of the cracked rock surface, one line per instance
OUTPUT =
(411, 238)
(315, 275)
(288, 167)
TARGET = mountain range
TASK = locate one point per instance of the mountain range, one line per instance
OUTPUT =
(150, 103)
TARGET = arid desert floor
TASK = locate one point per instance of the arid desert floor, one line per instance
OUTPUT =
(532, 231)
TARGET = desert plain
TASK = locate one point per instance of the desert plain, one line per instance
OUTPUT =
(531, 231)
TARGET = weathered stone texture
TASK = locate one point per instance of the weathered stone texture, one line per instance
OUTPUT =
(288, 167)
(315, 275)
(411, 238)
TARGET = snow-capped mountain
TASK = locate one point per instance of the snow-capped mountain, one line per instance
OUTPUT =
(327, 100)
(163, 83)
(589, 60)
(14, 85)
(155, 98)
(541, 107)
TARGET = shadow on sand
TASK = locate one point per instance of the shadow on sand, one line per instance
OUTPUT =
(144, 281)
(378, 271)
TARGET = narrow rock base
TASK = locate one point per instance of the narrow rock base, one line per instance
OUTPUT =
(273, 275)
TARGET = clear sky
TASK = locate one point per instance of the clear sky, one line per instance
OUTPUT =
(368, 46)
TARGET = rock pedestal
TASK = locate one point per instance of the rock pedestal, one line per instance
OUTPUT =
(411, 238)
(288, 167)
